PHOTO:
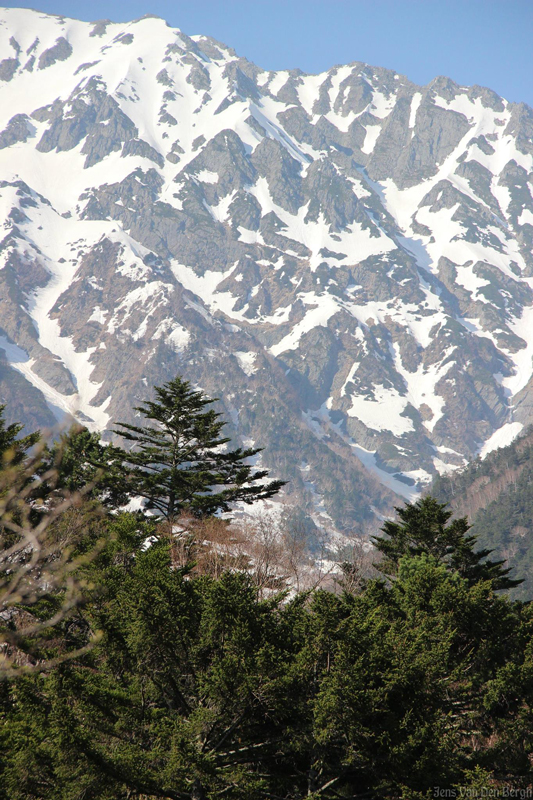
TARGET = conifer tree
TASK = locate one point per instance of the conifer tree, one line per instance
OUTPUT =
(12, 449)
(47, 529)
(179, 462)
(79, 460)
(423, 527)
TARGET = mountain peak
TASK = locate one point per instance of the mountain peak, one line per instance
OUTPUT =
(344, 259)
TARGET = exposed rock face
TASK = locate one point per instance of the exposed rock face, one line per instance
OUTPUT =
(60, 51)
(344, 259)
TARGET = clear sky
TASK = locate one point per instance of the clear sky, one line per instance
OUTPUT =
(489, 42)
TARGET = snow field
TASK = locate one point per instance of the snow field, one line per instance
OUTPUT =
(140, 76)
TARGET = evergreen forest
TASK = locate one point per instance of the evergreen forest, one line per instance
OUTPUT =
(496, 494)
(146, 655)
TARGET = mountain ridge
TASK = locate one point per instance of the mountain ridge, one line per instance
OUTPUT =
(344, 258)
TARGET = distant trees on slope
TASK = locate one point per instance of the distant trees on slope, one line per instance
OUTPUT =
(497, 495)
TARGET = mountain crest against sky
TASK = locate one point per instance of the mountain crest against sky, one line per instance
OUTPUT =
(345, 259)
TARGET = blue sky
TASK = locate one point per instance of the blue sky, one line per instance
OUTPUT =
(489, 42)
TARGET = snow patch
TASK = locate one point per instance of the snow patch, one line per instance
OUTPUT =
(323, 309)
(206, 176)
(246, 362)
(384, 413)
(526, 217)
(415, 104)
(501, 438)
(371, 137)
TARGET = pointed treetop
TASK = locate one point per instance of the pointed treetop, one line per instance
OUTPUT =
(426, 527)
(180, 461)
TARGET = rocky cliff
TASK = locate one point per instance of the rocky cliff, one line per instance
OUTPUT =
(344, 259)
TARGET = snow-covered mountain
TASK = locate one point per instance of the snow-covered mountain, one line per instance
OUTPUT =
(344, 259)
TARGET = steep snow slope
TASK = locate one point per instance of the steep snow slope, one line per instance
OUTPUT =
(344, 259)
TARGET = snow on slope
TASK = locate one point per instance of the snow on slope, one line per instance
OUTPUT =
(345, 241)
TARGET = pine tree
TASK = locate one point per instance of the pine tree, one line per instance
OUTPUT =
(179, 462)
(12, 449)
(81, 462)
(422, 528)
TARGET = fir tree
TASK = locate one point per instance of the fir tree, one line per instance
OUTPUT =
(13, 450)
(422, 528)
(80, 461)
(179, 461)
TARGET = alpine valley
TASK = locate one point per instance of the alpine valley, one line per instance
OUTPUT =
(344, 259)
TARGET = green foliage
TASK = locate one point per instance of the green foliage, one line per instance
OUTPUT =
(14, 448)
(198, 689)
(503, 484)
(81, 462)
(179, 462)
(423, 529)
(190, 680)
(195, 688)
(518, 454)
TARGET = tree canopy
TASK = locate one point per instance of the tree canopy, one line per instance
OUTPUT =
(14, 448)
(80, 461)
(197, 688)
(424, 527)
(145, 680)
